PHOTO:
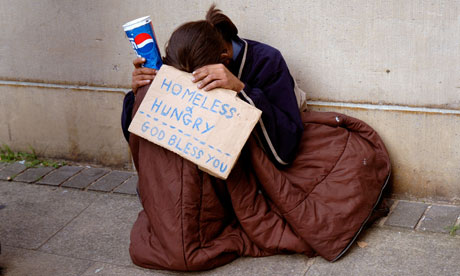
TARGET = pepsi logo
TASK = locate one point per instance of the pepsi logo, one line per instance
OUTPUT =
(144, 42)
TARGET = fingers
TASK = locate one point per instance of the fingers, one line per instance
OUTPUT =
(137, 62)
(214, 84)
(216, 76)
(203, 72)
(199, 74)
(142, 78)
(210, 76)
(144, 71)
(138, 84)
(208, 80)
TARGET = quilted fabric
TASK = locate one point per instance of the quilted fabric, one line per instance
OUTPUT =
(316, 206)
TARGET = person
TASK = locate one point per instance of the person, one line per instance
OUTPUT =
(317, 204)
(256, 71)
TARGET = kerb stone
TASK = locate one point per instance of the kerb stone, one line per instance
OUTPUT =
(129, 187)
(440, 218)
(85, 178)
(110, 181)
(406, 214)
(33, 174)
(12, 170)
(60, 175)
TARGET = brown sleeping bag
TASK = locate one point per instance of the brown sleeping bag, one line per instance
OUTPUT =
(316, 206)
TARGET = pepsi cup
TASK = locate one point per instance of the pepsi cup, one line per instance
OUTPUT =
(140, 34)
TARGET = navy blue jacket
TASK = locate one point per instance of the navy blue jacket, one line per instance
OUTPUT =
(270, 87)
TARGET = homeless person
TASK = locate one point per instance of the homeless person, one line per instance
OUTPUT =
(305, 182)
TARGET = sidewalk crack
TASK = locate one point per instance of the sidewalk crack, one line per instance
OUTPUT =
(419, 222)
(65, 225)
(310, 263)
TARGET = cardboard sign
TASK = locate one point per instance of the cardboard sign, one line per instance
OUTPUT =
(207, 128)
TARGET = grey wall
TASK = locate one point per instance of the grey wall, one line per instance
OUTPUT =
(394, 64)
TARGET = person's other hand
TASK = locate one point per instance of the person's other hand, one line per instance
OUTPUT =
(141, 75)
(216, 76)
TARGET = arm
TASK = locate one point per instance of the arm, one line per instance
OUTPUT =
(271, 89)
(126, 113)
(269, 86)
(141, 76)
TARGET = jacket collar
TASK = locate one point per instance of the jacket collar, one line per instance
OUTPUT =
(243, 60)
(238, 64)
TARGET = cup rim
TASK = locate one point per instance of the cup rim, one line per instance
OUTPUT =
(136, 23)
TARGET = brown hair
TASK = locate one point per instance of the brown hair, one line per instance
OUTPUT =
(222, 23)
(199, 43)
(194, 45)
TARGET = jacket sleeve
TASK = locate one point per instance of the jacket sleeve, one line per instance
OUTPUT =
(126, 114)
(280, 128)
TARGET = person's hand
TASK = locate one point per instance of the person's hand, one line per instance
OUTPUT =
(216, 76)
(141, 75)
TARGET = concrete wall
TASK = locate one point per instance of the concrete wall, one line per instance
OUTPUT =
(65, 65)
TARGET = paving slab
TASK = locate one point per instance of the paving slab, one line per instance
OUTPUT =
(438, 218)
(2, 165)
(12, 170)
(16, 262)
(33, 174)
(33, 214)
(274, 265)
(406, 214)
(100, 233)
(109, 181)
(289, 265)
(392, 252)
(85, 178)
(60, 175)
(129, 187)
(103, 269)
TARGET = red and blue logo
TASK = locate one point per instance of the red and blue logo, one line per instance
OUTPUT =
(144, 43)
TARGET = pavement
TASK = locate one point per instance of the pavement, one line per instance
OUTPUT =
(76, 220)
